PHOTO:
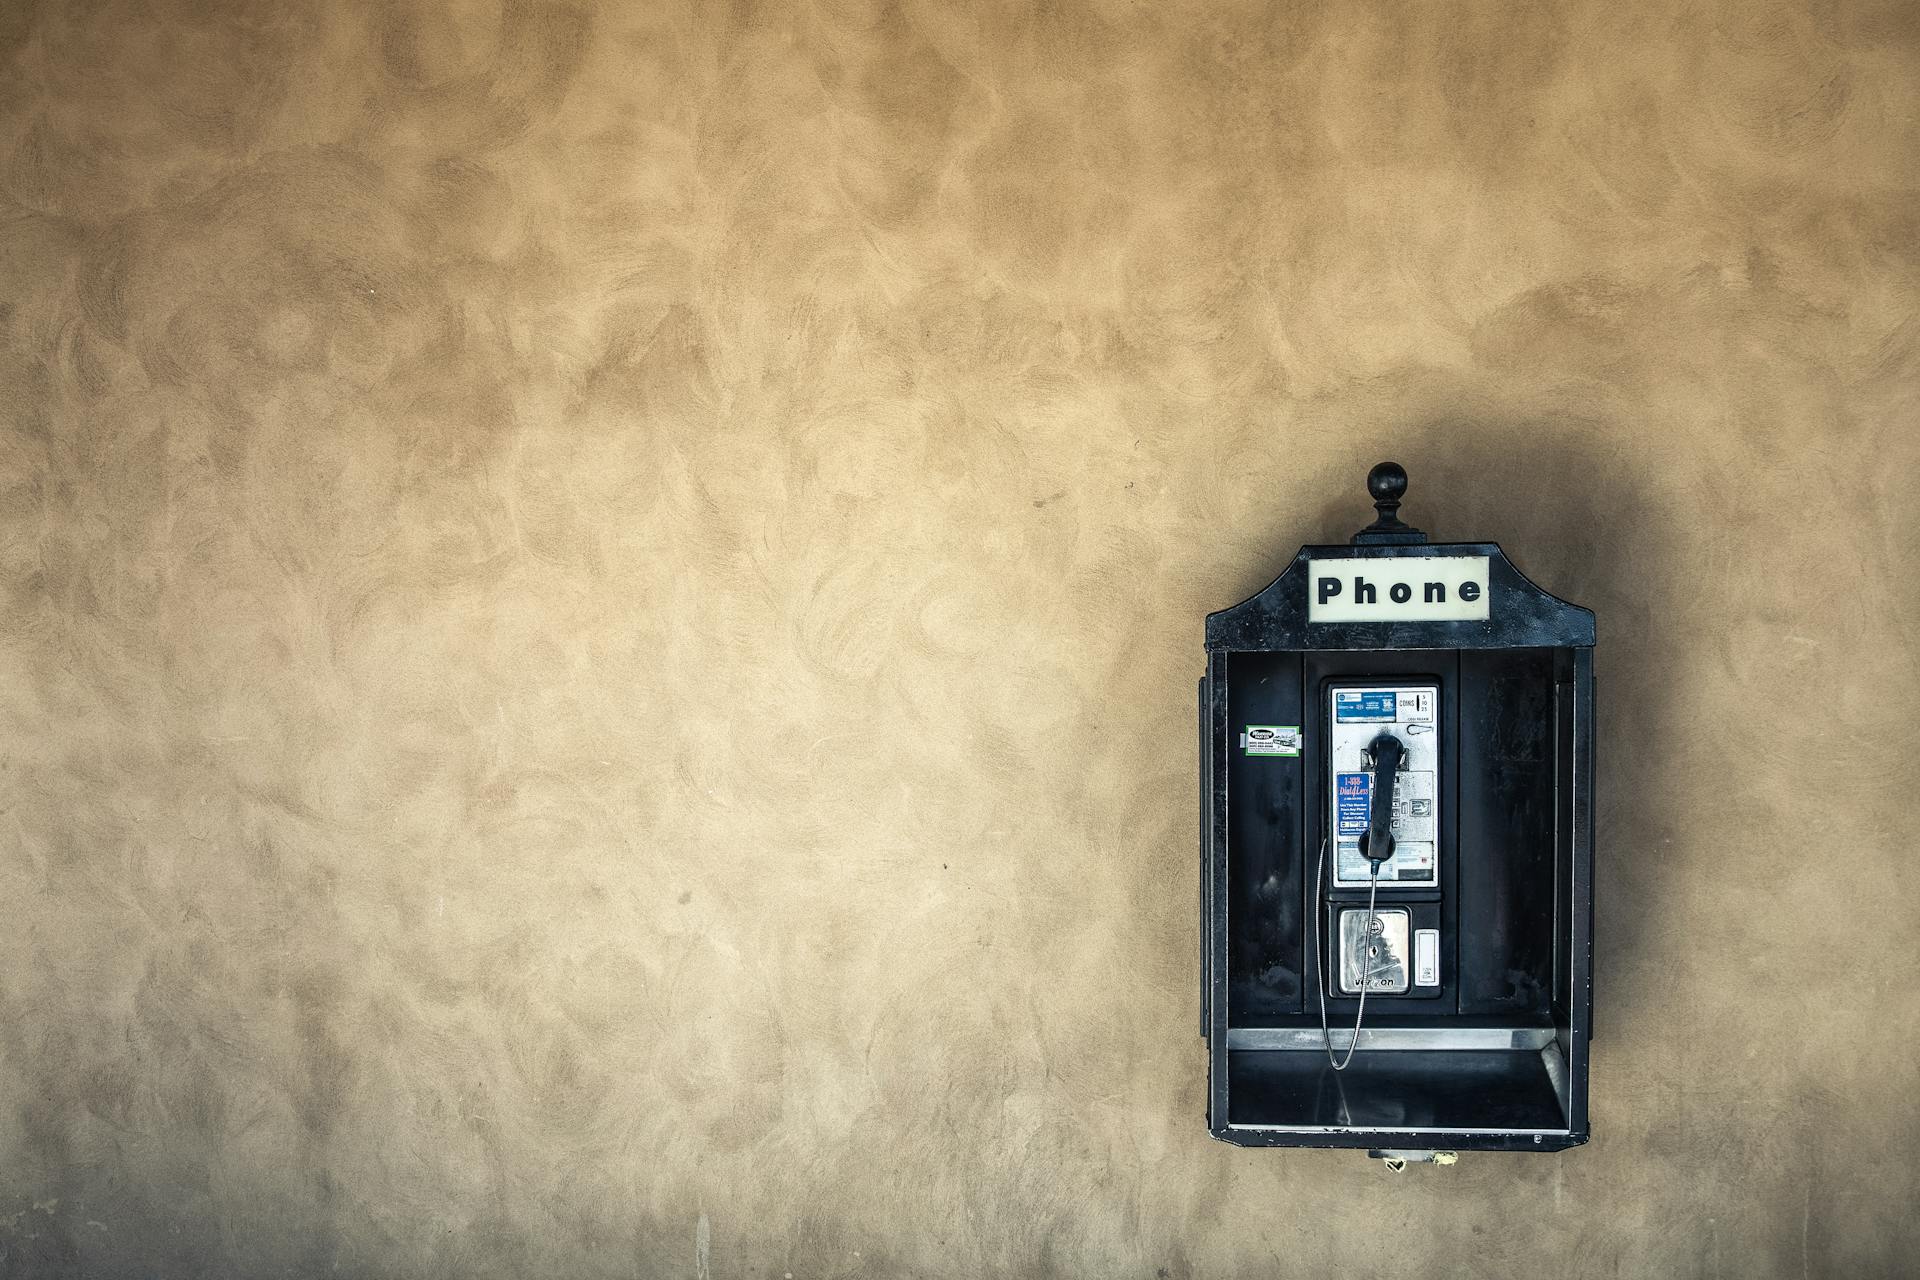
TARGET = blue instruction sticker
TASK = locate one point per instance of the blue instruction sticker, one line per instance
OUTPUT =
(1354, 793)
(1364, 704)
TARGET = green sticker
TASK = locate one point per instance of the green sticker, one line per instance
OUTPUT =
(1271, 740)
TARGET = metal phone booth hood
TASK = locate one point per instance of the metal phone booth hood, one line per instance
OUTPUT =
(1397, 835)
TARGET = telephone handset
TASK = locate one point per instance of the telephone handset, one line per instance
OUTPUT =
(1376, 842)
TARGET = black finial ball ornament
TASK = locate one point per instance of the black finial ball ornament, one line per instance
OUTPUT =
(1387, 483)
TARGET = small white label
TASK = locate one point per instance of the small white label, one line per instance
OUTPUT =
(1398, 589)
(1271, 740)
(1426, 957)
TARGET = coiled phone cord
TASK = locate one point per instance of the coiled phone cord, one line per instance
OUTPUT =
(1366, 968)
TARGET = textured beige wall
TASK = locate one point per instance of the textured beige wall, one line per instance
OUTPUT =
(601, 606)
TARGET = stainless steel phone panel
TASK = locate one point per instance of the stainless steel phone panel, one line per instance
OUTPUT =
(1373, 948)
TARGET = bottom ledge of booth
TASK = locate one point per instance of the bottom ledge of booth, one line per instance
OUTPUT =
(1508, 1098)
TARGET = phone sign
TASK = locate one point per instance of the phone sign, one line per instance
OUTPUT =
(1398, 589)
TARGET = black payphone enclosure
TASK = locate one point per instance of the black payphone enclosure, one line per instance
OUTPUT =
(1491, 1053)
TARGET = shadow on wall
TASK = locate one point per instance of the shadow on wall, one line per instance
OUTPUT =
(1579, 517)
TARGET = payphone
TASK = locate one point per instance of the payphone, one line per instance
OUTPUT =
(1397, 851)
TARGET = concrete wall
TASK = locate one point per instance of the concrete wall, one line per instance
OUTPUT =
(601, 606)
